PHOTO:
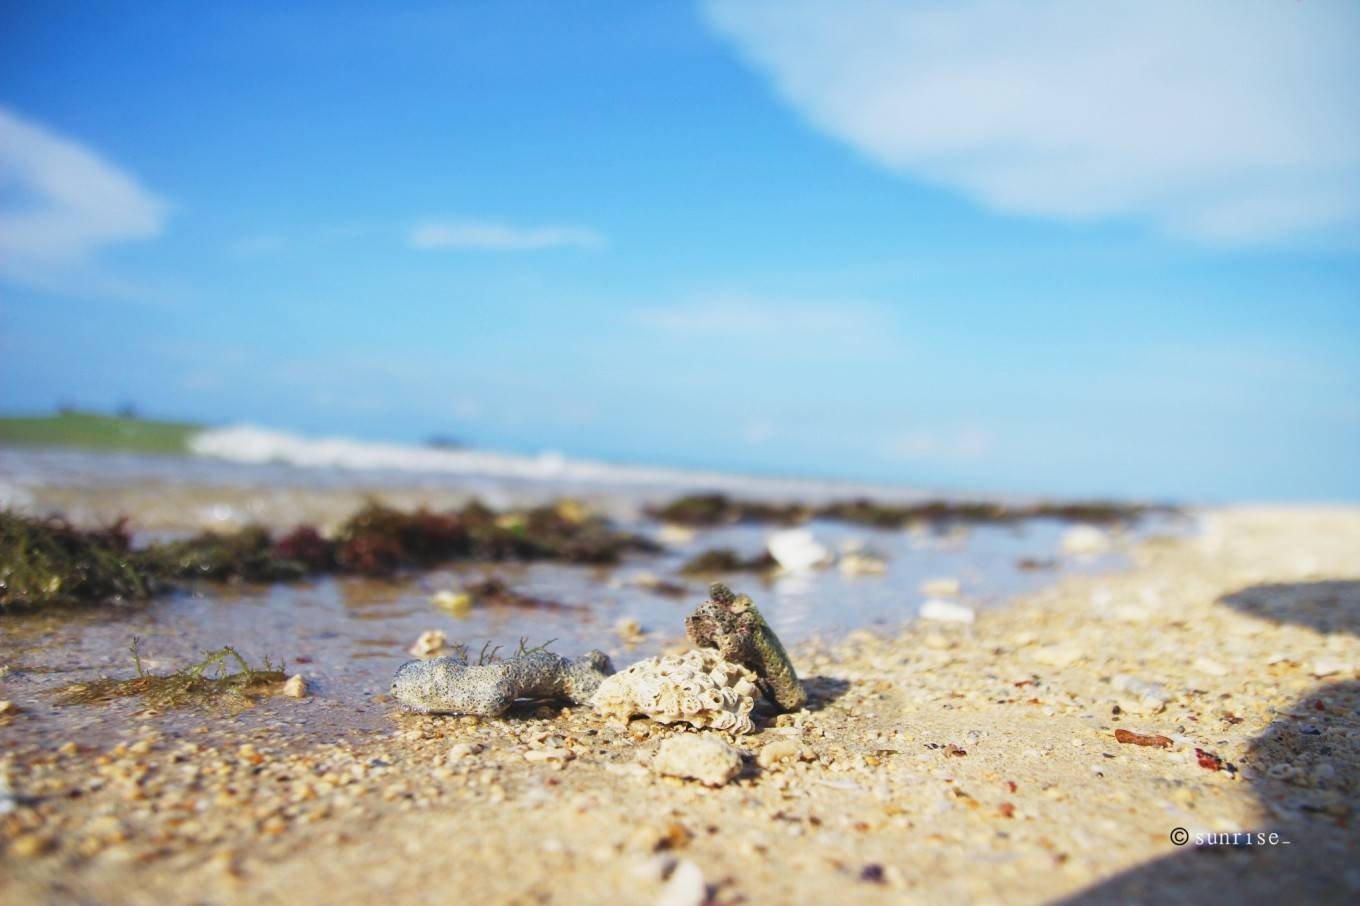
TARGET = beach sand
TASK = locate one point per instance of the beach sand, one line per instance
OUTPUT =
(954, 763)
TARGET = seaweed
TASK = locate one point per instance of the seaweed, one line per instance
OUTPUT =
(379, 540)
(49, 561)
(244, 555)
(188, 686)
(726, 560)
(707, 510)
(966, 512)
(875, 515)
(562, 532)
(493, 592)
(491, 654)
(306, 546)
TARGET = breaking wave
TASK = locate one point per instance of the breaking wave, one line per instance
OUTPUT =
(248, 444)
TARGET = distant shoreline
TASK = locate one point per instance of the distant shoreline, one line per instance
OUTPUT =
(96, 431)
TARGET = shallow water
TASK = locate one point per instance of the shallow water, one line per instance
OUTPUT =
(188, 492)
(348, 635)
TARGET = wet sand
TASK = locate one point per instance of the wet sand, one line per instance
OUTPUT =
(960, 763)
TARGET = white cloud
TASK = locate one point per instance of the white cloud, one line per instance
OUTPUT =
(1223, 120)
(499, 237)
(60, 203)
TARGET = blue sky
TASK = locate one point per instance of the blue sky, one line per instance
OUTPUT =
(973, 246)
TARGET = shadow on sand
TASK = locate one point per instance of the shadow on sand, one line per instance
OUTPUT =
(1305, 772)
(823, 690)
(1328, 607)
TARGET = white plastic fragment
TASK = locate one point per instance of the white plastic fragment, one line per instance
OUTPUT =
(797, 551)
(946, 611)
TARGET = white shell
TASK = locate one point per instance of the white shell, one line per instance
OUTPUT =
(697, 688)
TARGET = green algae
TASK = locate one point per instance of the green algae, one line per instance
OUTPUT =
(491, 654)
(49, 561)
(246, 555)
(210, 681)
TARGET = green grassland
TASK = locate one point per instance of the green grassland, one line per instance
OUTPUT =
(100, 432)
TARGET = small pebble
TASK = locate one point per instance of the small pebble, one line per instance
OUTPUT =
(26, 846)
(698, 756)
(863, 563)
(430, 643)
(629, 630)
(940, 587)
(1085, 540)
(777, 751)
(686, 886)
(457, 603)
(675, 534)
(1057, 655)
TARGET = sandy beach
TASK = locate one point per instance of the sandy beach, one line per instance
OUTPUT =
(680, 454)
(953, 763)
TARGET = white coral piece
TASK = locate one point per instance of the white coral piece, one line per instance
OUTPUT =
(698, 688)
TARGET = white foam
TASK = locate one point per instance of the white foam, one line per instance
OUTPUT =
(255, 445)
